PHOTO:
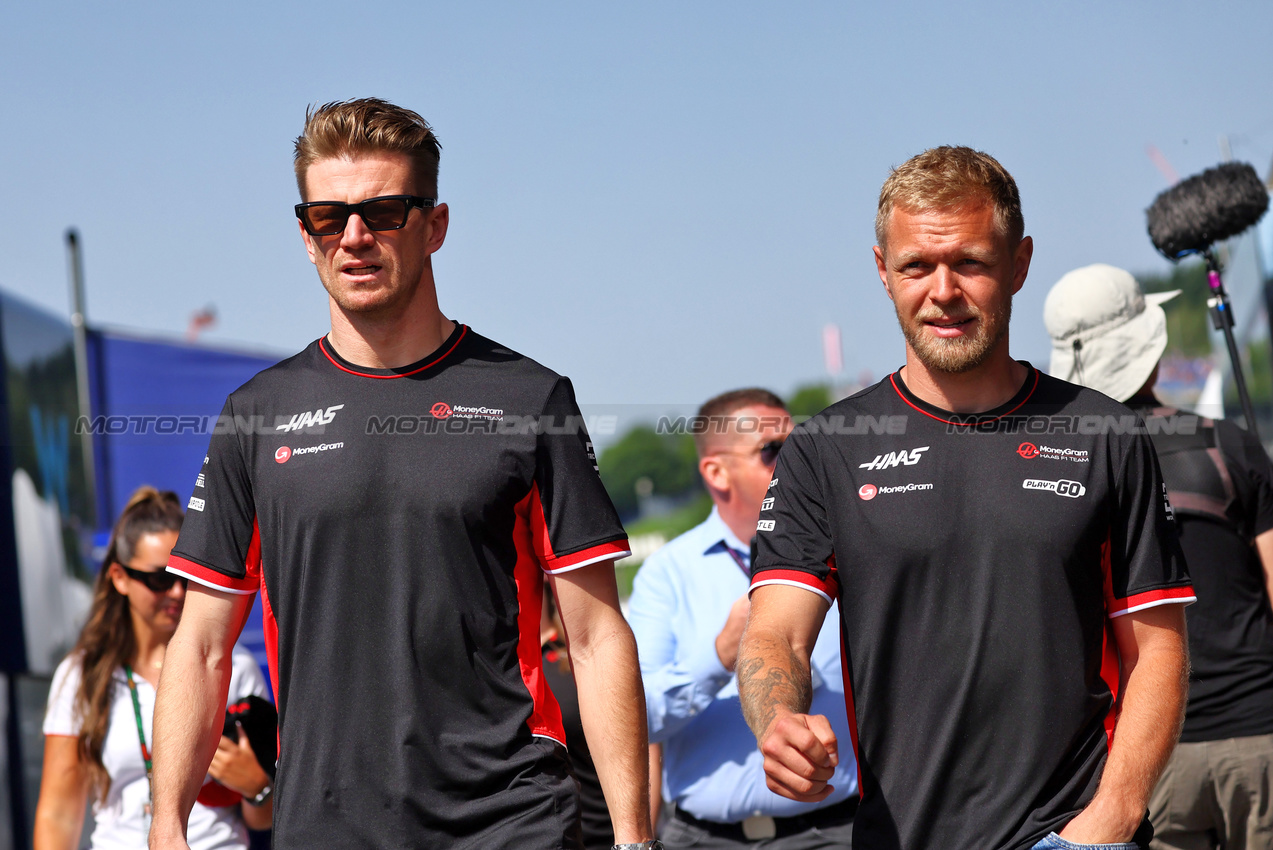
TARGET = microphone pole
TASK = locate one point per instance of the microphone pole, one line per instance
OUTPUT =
(1191, 218)
(1222, 320)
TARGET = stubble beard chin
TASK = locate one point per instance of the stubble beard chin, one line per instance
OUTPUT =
(960, 354)
(386, 301)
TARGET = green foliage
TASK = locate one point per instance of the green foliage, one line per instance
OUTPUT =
(1188, 325)
(809, 400)
(677, 522)
(1259, 375)
(667, 460)
(1257, 368)
(670, 525)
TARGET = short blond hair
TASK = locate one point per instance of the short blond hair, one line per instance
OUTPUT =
(714, 416)
(951, 176)
(368, 125)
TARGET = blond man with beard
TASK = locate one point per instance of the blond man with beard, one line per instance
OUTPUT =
(1008, 576)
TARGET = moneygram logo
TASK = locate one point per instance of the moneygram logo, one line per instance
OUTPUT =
(442, 410)
(1030, 451)
(283, 455)
(1071, 489)
(867, 492)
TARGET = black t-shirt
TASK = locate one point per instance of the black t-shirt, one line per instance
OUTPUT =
(1231, 626)
(397, 524)
(977, 561)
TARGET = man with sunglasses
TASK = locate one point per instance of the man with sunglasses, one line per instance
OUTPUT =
(411, 489)
(688, 607)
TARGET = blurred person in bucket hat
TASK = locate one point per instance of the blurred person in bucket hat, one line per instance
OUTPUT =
(1106, 333)
(1109, 335)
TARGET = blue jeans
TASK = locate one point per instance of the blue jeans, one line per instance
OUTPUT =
(1056, 842)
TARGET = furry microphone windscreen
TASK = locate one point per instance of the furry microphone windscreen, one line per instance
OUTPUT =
(1198, 212)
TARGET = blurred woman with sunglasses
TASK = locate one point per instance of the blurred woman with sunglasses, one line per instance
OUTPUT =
(98, 724)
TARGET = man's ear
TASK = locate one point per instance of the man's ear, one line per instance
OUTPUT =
(436, 227)
(1021, 263)
(310, 247)
(715, 474)
(882, 268)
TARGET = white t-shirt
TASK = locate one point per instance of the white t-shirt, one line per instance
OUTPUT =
(121, 822)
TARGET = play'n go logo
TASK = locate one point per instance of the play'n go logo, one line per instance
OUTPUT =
(1064, 487)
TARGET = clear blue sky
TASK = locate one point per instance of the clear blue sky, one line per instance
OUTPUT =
(662, 200)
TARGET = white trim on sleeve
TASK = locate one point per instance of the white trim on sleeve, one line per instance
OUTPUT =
(608, 556)
(791, 583)
(209, 584)
(1154, 603)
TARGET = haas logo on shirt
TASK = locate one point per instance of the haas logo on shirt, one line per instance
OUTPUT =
(307, 419)
(888, 461)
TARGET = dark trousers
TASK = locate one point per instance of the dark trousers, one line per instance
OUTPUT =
(833, 834)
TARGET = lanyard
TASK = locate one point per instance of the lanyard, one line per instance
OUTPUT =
(738, 559)
(141, 737)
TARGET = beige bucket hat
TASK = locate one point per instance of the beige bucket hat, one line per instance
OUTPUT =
(1106, 333)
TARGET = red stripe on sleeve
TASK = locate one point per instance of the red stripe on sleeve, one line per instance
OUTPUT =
(584, 557)
(542, 544)
(251, 581)
(211, 578)
(1152, 598)
(828, 588)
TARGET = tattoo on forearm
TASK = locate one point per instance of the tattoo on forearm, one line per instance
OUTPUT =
(769, 677)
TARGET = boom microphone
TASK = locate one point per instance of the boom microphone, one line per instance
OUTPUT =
(1209, 207)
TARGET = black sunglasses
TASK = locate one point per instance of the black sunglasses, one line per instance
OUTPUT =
(388, 212)
(158, 581)
(769, 452)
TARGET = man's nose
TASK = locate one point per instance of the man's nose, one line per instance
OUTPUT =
(356, 232)
(945, 285)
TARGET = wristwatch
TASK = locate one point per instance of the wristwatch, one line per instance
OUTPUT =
(259, 799)
(640, 845)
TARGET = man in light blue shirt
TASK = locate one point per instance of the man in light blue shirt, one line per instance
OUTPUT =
(688, 608)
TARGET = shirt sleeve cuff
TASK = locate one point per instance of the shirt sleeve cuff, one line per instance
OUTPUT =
(603, 552)
(795, 578)
(212, 578)
(1152, 599)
